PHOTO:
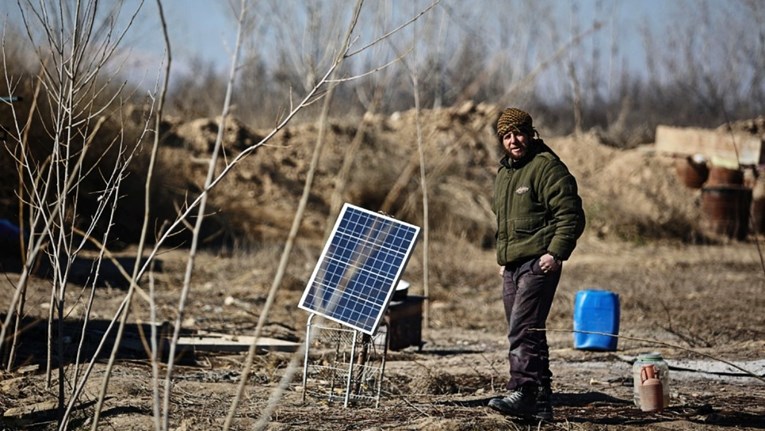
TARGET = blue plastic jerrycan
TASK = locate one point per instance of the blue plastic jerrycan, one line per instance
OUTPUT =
(596, 311)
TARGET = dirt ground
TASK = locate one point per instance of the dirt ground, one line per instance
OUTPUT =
(698, 303)
(702, 300)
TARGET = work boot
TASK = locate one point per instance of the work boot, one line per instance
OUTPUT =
(544, 410)
(521, 402)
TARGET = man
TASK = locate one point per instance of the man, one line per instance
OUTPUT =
(539, 219)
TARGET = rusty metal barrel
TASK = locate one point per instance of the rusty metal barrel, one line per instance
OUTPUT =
(719, 176)
(692, 173)
(758, 202)
(725, 210)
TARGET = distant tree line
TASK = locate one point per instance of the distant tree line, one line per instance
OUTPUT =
(704, 68)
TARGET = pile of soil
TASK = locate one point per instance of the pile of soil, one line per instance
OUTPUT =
(628, 193)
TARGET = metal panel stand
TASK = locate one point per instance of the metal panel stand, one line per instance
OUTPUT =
(343, 363)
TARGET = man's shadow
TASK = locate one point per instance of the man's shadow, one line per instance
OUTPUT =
(603, 409)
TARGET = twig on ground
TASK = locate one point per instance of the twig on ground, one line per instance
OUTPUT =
(663, 343)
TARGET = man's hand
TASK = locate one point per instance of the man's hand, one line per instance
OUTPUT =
(548, 263)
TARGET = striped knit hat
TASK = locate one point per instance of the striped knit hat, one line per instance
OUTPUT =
(514, 119)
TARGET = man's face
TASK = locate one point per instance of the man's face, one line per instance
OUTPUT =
(516, 144)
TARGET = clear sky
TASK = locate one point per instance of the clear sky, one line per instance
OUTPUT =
(205, 28)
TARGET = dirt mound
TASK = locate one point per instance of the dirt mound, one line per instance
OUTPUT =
(754, 126)
(630, 193)
(375, 163)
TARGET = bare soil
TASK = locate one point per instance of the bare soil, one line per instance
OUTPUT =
(690, 301)
(704, 300)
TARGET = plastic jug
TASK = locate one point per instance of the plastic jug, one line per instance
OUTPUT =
(651, 391)
(597, 313)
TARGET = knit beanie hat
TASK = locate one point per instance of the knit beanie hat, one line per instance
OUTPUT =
(514, 119)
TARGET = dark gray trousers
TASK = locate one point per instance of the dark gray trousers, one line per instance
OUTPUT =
(527, 295)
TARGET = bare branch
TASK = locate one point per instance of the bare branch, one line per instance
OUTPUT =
(373, 71)
(395, 30)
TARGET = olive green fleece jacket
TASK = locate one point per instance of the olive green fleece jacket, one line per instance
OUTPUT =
(537, 205)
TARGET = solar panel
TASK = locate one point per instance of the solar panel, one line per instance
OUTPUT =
(359, 268)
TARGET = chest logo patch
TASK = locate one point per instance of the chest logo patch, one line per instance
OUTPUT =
(521, 190)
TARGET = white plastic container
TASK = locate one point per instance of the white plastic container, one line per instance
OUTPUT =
(662, 368)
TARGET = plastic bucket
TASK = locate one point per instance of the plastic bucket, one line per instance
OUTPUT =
(596, 311)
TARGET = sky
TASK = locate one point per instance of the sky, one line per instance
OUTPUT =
(205, 28)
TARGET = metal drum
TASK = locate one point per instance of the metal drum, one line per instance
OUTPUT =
(725, 210)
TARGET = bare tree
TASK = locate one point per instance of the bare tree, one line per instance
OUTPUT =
(343, 52)
(685, 84)
(74, 43)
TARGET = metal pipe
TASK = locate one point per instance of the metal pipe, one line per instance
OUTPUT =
(305, 359)
(350, 369)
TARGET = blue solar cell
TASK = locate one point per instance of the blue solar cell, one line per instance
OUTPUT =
(359, 268)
